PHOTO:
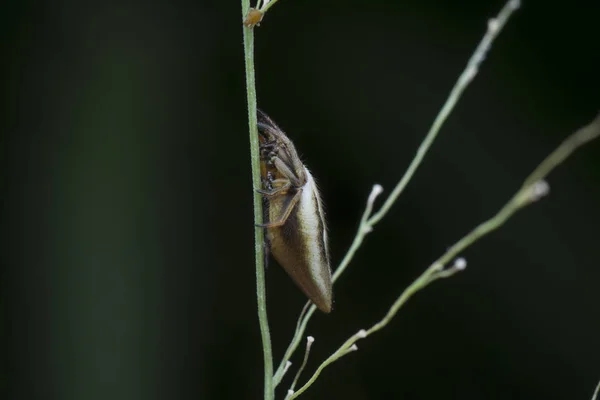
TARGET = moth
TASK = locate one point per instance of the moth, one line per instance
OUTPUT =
(295, 230)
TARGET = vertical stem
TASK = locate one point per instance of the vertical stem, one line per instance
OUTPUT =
(259, 248)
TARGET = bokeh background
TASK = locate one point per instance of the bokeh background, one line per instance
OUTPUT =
(127, 248)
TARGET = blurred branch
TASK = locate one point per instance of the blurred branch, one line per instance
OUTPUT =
(595, 395)
(259, 247)
(533, 188)
(368, 221)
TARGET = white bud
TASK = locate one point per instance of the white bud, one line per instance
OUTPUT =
(376, 191)
(288, 364)
(460, 264)
(538, 190)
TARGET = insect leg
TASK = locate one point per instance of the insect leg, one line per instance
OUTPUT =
(287, 172)
(276, 191)
(286, 213)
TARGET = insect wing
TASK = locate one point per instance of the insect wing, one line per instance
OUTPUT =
(296, 231)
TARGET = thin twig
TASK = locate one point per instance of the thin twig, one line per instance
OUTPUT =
(305, 316)
(254, 16)
(595, 395)
(258, 212)
(300, 329)
(367, 221)
(494, 28)
(533, 188)
(309, 341)
(268, 4)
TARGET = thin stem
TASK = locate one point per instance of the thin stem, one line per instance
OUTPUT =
(305, 316)
(300, 329)
(367, 221)
(595, 395)
(363, 230)
(259, 247)
(348, 347)
(527, 194)
(268, 5)
(309, 342)
(494, 28)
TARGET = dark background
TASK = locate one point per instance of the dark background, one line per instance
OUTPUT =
(127, 203)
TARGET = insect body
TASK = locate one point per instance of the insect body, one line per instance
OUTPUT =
(253, 18)
(293, 212)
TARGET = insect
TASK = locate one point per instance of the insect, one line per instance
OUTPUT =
(253, 18)
(295, 229)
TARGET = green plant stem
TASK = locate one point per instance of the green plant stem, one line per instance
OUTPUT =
(259, 245)
(368, 221)
(461, 84)
(309, 341)
(266, 7)
(305, 315)
(526, 195)
(595, 395)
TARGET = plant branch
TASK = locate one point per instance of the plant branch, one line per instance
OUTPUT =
(309, 308)
(595, 395)
(268, 4)
(367, 221)
(494, 28)
(533, 188)
(253, 16)
(309, 341)
(259, 244)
